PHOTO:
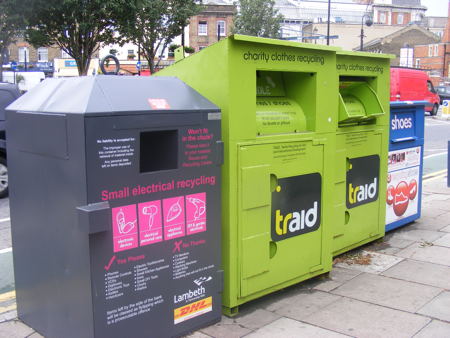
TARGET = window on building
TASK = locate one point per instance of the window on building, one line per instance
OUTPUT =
(24, 54)
(417, 63)
(42, 54)
(436, 50)
(221, 28)
(382, 17)
(400, 18)
(430, 50)
(65, 55)
(202, 28)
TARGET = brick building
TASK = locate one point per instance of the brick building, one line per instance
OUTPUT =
(204, 28)
(401, 42)
(434, 57)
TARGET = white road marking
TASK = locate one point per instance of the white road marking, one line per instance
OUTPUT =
(2, 251)
(435, 155)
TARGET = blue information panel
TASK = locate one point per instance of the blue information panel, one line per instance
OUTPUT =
(404, 185)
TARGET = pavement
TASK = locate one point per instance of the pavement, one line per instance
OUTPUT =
(398, 286)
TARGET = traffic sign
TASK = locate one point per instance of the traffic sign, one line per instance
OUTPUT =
(138, 65)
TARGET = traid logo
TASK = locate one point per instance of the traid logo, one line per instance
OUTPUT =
(362, 180)
(296, 206)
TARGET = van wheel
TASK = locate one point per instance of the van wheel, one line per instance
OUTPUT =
(3, 177)
(434, 110)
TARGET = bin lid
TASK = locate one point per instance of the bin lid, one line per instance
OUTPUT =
(111, 95)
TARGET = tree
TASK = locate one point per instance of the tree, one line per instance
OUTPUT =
(258, 18)
(156, 23)
(77, 27)
(11, 23)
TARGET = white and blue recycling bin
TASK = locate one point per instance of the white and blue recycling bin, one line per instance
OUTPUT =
(405, 163)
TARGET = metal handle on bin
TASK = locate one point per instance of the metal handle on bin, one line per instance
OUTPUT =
(94, 218)
(403, 139)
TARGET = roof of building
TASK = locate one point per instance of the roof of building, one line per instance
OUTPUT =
(388, 38)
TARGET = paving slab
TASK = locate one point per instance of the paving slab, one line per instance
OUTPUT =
(438, 308)
(397, 242)
(416, 235)
(15, 329)
(378, 262)
(443, 241)
(37, 335)
(289, 328)
(197, 334)
(421, 272)
(303, 304)
(435, 329)
(427, 253)
(360, 319)
(428, 223)
(226, 328)
(337, 277)
(446, 229)
(385, 291)
(256, 319)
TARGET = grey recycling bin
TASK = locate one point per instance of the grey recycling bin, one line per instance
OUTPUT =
(115, 207)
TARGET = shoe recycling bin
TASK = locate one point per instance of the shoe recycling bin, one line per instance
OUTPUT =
(277, 99)
(115, 207)
(405, 161)
(361, 149)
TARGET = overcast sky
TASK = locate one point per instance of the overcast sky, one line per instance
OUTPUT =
(436, 7)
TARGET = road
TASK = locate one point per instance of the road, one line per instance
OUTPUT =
(437, 134)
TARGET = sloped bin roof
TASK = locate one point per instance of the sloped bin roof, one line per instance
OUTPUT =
(111, 95)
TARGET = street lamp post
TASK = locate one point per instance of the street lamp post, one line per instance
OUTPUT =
(368, 23)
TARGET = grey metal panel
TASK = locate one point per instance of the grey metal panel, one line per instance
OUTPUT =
(33, 140)
(51, 252)
(109, 95)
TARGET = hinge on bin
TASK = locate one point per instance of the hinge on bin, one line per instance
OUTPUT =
(220, 153)
(220, 279)
(319, 141)
(316, 268)
(95, 217)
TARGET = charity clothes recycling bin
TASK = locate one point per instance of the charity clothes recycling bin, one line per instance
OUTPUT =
(277, 99)
(361, 149)
(405, 163)
(115, 207)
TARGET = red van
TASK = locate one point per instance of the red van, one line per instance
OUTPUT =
(413, 85)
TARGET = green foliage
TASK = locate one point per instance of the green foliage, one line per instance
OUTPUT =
(172, 47)
(156, 23)
(77, 27)
(113, 51)
(257, 18)
(19, 78)
(189, 50)
(11, 23)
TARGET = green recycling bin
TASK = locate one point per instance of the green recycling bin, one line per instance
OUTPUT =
(361, 149)
(278, 100)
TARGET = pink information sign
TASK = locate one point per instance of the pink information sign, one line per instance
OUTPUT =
(150, 223)
(196, 213)
(173, 216)
(125, 229)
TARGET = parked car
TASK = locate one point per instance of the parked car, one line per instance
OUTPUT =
(8, 93)
(444, 92)
(414, 85)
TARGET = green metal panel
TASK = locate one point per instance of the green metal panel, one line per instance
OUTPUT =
(284, 176)
(361, 149)
(279, 119)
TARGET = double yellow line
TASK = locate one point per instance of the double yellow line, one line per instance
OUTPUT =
(435, 175)
(5, 297)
